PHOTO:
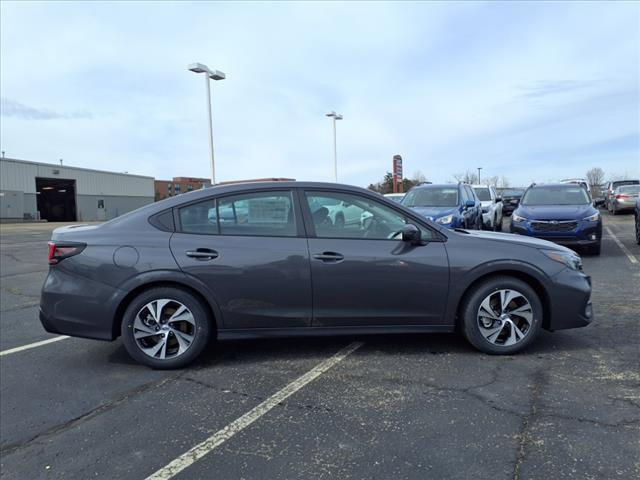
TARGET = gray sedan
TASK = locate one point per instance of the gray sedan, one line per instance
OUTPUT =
(624, 198)
(266, 260)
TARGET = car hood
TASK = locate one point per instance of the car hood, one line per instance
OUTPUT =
(555, 212)
(434, 212)
(519, 239)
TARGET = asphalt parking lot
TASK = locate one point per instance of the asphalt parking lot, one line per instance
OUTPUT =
(418, 406)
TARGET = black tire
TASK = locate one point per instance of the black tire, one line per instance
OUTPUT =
(471, 303)
(637, 229)
(202, 329)
(595, 249)
(497, 225)
(613, 211)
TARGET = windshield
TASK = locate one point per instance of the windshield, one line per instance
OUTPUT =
(624, 182)
(512, 192)
(629, 189)
(432, 197)
(569, 195)
(483, 194)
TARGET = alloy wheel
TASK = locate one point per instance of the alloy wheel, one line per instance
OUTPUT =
(504, 317)
(164, 329)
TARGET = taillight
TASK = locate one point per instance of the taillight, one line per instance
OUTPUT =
(59, 251)
(620, 195)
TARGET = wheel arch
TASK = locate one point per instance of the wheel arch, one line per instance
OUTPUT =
(190, 286)
(527, 277)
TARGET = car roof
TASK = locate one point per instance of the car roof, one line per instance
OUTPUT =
(553, 185)
(229, 189)
(438, 185)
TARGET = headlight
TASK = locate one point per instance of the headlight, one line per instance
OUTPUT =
(518, 218)
(593, 218)
(570, 259)
(446, 219)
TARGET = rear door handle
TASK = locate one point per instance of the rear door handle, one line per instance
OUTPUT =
(329, 257)
(202, 254)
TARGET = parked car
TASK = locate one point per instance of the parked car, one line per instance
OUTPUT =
(624, 198)
(168, 287)
(611, 186)
(396, 197)
(636, 214)
(491, 207)
(454, 206)
(578, 181)
(510, 199)
(561, 213)
(344, 213)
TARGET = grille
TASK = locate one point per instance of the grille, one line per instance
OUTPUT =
(552, 226)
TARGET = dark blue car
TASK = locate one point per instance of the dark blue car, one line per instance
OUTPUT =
(561, 213)
(450, 205)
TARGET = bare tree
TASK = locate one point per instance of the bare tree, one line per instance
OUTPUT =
(595, 177)
(466, 177)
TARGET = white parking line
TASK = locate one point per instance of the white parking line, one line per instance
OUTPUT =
(624, 249)
(221, 436)
(32, 345)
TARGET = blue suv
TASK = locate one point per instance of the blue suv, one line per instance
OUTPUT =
(450, 205)
(562, 213)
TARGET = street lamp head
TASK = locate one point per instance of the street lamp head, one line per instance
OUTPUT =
(199, 68)
(217, 75)
(335, 115)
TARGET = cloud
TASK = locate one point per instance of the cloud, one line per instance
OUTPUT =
(11, 108)
(526, 90)
(542, 88)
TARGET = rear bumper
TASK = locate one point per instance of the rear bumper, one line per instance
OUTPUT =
(570, 301)
(78, 306)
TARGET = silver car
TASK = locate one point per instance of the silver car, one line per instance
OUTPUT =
(624, 198)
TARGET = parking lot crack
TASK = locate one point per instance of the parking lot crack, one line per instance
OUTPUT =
(74, 422)
(524, 437)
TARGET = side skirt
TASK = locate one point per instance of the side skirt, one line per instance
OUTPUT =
(236, 334)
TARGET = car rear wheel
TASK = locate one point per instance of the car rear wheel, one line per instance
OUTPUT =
(501, 315)
(165, 328)
(638, 230)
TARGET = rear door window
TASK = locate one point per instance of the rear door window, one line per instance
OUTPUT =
(258, 214)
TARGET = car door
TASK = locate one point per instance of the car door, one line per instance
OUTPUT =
(249, 250)
(364, 274)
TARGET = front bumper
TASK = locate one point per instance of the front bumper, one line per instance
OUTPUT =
(570, 301)
(585, 234)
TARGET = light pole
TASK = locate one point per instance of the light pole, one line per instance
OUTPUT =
(214, 75)
(335, 116)
(479, 168)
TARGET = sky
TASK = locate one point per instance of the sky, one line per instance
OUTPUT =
(533, 91)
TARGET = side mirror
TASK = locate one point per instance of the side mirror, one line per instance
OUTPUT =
(470, 203)
(498, 199)
(411, 234)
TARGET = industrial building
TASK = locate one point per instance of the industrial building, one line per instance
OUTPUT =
(57, 193)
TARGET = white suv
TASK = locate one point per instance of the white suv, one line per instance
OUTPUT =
(491, 207)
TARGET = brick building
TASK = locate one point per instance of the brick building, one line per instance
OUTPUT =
(178, 185)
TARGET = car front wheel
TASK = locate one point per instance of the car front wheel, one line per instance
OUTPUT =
(165, 328)
(502, 315)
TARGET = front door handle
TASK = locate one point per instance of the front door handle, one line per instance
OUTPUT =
(202, 254)
(329, 257)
